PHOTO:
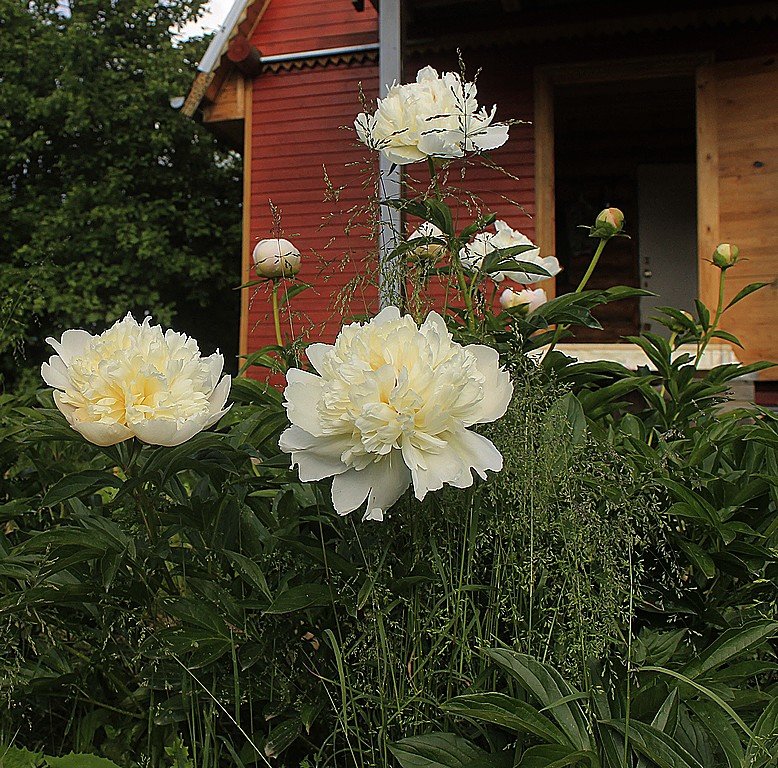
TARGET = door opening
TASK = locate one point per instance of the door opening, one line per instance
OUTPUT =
(628, 144)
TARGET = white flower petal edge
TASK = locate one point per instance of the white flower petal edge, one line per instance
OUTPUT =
(389, 405)
(134, 381)
(437, 116)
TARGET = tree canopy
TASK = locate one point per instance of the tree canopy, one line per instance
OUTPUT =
(110, 200)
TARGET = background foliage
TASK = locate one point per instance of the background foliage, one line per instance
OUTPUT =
(110, 200)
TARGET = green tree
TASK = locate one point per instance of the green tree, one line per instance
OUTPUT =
(110, 200)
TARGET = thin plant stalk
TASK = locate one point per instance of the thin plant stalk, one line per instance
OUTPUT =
(277, 314)
(714, 325)
(562, 327)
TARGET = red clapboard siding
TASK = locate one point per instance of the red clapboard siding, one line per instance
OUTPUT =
(298, 125)
(290, 26)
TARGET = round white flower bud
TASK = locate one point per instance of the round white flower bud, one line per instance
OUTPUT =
(276, 257)
(725, 255)
(432, 250)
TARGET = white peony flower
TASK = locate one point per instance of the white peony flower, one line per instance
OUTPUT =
(473, 254)
(389, 405)
(135, 380)
(436, 245)
(276, 257)
(526, 300)
(437, 116)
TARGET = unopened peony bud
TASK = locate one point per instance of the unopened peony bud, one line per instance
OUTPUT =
(609, 222)
(276, 258)
(431, 251)
(725, 255)
(525, 301)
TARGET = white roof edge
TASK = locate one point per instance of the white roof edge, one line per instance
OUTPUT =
(222, 37)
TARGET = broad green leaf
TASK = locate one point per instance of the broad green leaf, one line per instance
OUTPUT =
(510, 713)
(657, 746)
(80, 761)
(440, 750)
(299, 598)
(731, 644)
(15, 757)
(704, 690)
(720, 729)
(743, 292)
(555, 756)
(281, 737)
(548, 687)
(82, 483)
(765, 739)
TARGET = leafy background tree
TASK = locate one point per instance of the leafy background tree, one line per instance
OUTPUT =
(110, 200)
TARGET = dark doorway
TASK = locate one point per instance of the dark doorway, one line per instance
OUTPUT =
(628, 144)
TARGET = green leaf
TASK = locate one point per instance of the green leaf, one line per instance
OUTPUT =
(281, 737)
(80, 761)
(299, 598)
(654, 744)
(505, 711)
(743, 292)
(440, 750)
(568, 410)
(555, 756)
(252, 572)
(720, 728)
(82, 483)
(731, 644)
(14, 757)
(702, 689)
(549, 688)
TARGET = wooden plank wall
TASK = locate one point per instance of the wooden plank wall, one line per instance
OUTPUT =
(298, 122)
(739, 121)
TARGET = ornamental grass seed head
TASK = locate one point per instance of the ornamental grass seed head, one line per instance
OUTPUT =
(437, 116)
(136, 381)
(276, 257)
(391, 404)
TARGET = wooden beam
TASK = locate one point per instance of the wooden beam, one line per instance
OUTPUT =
(244, 56)
(545, 191)
(707, 183)
(245, 272)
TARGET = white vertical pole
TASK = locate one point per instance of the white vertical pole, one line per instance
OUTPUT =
(389, 72)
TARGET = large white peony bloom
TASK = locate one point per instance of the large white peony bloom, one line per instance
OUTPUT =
(437, 116)
(391, 405)
(484, 243)
(135, 380)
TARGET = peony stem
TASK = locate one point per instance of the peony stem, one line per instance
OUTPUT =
(592, 264)
(712, 327)
(277, 315)
(562, 327)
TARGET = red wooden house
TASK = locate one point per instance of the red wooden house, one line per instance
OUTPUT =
(666, 110)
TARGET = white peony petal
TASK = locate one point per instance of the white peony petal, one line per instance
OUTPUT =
(302, 397)
(381, 483)
(219, 395)
(316, 457)
(490, 138)
(432, 471)
(394, 481)
(55, 373)
(498, 388)
(477, 452)
(167, 432)
(386, 315)
(71, 345)
(317, 354)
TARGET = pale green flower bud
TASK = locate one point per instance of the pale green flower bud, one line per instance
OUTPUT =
(609, 222)
(725, 255)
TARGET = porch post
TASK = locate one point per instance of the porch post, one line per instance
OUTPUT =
(389, 72)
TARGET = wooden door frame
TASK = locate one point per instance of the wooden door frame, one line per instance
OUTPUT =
(693, 65)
